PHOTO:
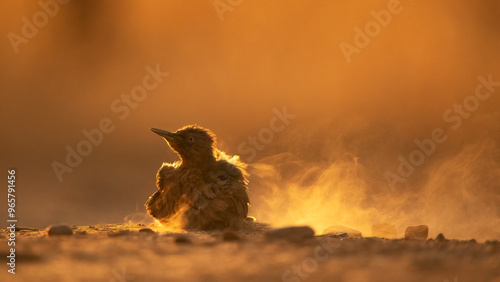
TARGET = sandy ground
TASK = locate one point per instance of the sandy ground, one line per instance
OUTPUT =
(122, 253)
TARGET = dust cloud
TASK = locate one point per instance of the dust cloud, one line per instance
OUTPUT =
(353, 121)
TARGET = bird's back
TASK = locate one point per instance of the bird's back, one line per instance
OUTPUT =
(222, 201)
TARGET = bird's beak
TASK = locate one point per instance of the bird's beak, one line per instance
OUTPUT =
(169, 136)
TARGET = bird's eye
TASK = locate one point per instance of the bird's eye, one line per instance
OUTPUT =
(191, 139)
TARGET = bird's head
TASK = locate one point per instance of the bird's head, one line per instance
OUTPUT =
(194, 144)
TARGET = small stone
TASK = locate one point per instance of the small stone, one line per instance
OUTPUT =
(59, 230)
(119, 233)
(384, 230)
(147, 231)
(182, 239)
(81, 233)
(419, 232)
(338, 235)
(230, 236)
(250, 219)
(440, 237)
(292, 233)
(337, 229)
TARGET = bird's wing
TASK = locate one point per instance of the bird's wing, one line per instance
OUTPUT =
(165, 170)
(163, 203)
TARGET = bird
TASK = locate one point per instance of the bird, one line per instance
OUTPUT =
(205, 190)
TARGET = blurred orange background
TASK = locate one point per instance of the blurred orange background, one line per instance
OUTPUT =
(352, 120)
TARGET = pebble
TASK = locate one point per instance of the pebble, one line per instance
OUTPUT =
(250, 219)
(338, 235)
(230, 236)
(419, 232)
(292, 233)
(338, 229)
(119, 233)
(440, 237)
(182, 239)
(147, 231)
(58, 230)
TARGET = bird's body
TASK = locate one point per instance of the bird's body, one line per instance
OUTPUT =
(206, 189)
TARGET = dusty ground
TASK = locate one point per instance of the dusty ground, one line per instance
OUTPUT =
(122, 253)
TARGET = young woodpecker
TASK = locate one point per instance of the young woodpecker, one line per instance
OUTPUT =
(206, 189)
